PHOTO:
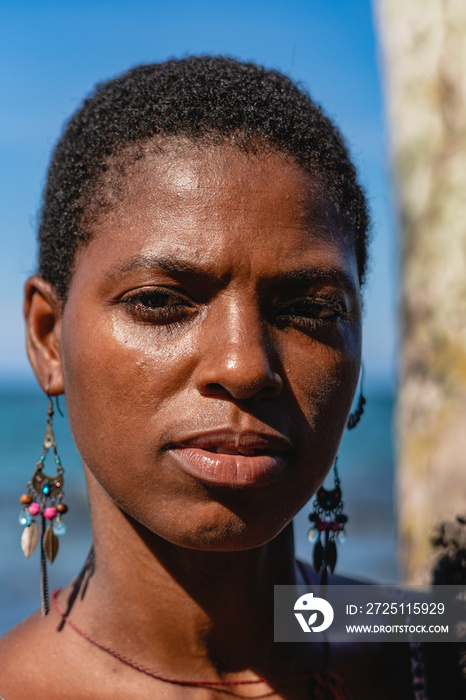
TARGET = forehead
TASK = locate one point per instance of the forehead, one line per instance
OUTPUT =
(216, 202)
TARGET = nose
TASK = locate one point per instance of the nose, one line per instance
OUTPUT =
(239, 359)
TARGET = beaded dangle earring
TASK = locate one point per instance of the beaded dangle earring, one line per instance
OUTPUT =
(328, 520)
(328, 524)
(44, 499)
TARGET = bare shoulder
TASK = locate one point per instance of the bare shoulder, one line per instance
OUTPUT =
(20, 651)
(35, 655)
(43, 658)
(20, 639)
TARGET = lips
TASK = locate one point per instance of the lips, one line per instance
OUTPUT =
(232, 459)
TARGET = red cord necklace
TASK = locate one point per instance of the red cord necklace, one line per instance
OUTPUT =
(322, 682)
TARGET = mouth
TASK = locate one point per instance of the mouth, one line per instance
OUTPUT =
(233, 459)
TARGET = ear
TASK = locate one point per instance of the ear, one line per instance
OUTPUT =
(43, 314)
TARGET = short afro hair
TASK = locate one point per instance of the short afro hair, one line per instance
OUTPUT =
(208, 99)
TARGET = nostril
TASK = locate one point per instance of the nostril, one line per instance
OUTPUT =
(274, 387)
(214, 389)
(267, 386)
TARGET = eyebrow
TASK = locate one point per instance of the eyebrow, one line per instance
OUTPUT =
(318, 275)
(182, 269)
(172, 265)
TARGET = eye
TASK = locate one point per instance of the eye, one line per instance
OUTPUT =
(310, 312)
(159, 306)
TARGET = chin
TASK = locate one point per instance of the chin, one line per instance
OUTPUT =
(229, 538)
(224, 531)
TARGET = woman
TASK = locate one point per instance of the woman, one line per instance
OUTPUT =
(202, 245)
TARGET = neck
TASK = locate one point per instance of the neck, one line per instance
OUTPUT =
(188, 613)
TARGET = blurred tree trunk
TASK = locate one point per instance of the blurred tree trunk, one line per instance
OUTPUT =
(424, 51)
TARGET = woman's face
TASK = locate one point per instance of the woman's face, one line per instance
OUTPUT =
(211, 345)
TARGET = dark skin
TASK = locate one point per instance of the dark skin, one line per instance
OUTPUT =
(219, 294)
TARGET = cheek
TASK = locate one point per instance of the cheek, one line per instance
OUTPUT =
(117, 380)
(323, 379)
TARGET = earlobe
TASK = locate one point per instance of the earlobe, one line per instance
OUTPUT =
(43, 314)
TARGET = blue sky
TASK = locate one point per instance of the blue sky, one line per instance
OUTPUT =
(52, 53)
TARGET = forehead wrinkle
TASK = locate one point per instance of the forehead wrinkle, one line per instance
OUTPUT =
(305, 217)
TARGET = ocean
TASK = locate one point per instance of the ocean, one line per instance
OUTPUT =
(366, 469)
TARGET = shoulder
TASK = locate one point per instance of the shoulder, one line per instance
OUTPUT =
(19, 656)
(42, 658)
(28, 652)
